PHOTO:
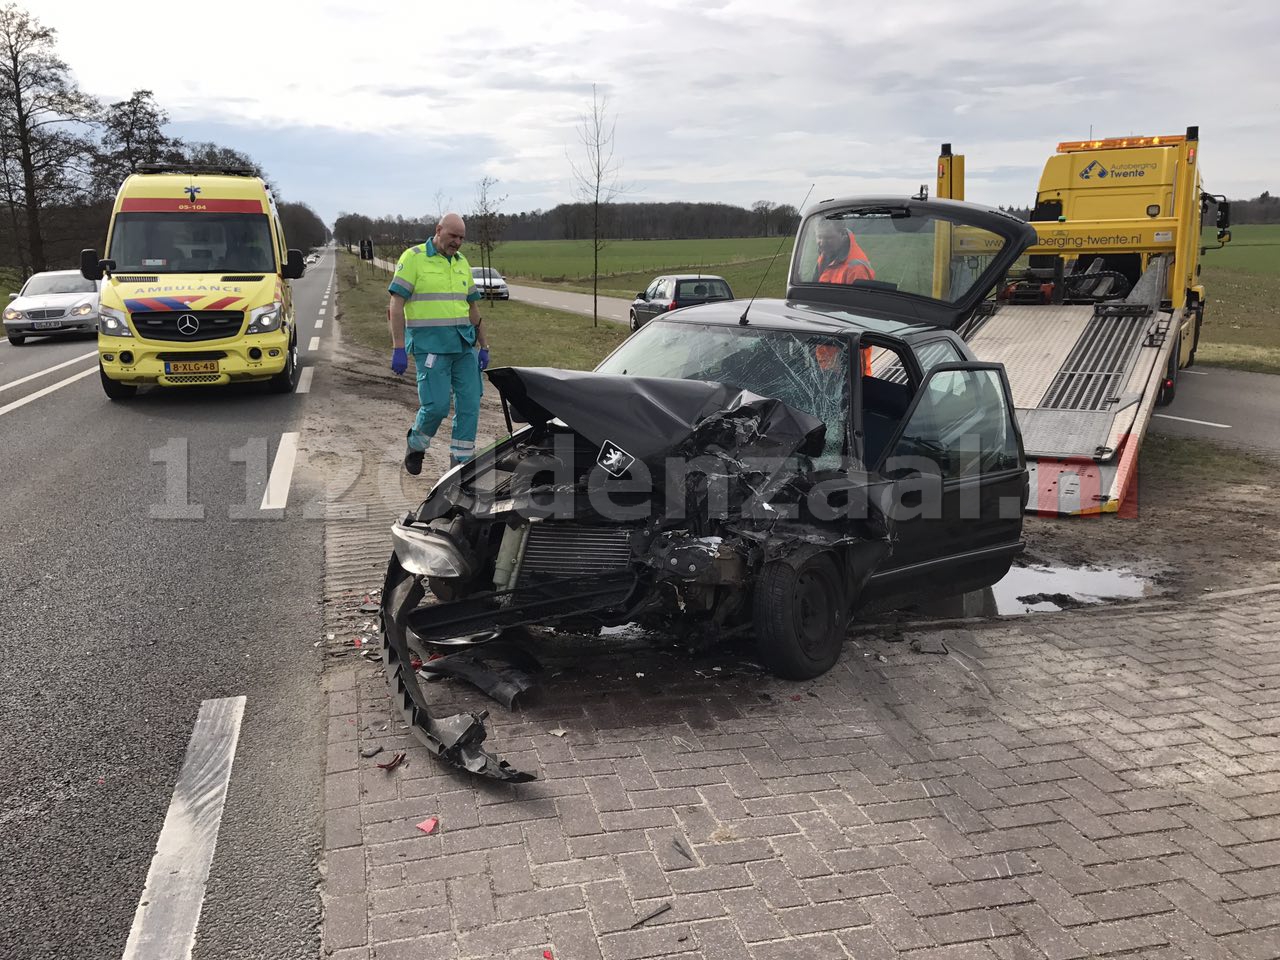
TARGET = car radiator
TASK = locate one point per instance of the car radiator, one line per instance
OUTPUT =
(561, 550)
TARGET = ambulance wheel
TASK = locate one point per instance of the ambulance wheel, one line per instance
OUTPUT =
(287, 379)
(114, 389)
(1169, 389)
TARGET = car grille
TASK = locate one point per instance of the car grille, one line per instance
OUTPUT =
(214, 325)
(45, 314)
(570, 550)
(193, 378)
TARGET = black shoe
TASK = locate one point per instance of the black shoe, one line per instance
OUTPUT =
(412, 457)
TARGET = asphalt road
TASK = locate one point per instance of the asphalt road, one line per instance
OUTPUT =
(611, 308)
(1229, 406)
(141, 579)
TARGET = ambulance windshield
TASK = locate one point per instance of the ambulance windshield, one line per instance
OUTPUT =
(192, 243)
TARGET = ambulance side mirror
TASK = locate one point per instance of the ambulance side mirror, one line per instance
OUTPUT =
(294, 266)
(90, 265)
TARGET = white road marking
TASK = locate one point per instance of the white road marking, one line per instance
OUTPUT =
(304, 380)
(41, 373)
(321, 311)
(314, 344)
(276, 496)
(320, 322)
(164, 926)
(1193, 373)
(47, 390)
(1203, 423)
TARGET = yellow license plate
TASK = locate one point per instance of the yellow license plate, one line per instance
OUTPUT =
(191, 366)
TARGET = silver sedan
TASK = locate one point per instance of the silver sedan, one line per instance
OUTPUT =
(57, 301)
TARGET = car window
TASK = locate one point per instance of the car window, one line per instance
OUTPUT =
(808, 372)
(702, 288)
(960, 428)
(44, 284)
(652, 290)
(886, 396)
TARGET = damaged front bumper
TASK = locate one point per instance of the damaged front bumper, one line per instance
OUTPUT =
(456, 739)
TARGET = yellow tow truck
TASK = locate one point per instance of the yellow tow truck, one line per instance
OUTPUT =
(1096, 320)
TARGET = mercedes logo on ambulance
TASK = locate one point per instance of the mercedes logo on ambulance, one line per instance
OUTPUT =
(188, 325)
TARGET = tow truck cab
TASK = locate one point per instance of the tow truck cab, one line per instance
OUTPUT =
(196, 288)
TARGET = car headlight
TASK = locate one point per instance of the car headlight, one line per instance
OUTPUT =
(265, 319)
(83, 310)
(427, 553)
(12, 314)
(113, 322)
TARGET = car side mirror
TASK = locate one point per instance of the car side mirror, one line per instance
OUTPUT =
(294, 266)
(13, 296)
(90, 265)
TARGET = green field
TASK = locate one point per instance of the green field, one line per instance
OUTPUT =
(1242, 328)
(519, 334)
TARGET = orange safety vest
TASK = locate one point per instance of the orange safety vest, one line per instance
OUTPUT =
(855, 266)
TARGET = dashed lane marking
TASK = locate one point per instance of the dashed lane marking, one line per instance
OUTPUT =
(1203, 423)
(46, 391)
(304, 380)
(164, 926)
(276, 496)
(314, 344)
(46, 370)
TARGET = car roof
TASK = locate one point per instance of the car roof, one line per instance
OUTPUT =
(691, 276)
(808, 317)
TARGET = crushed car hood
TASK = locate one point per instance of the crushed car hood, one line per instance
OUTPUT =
(651, 417)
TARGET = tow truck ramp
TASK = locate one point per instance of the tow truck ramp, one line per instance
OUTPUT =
(1085, 379)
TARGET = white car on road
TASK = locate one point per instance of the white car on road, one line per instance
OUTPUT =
(490, 283)
(56, 301)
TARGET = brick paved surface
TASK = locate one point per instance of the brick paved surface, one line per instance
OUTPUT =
(1078, 785)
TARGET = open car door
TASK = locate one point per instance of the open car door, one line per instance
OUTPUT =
(922, 261)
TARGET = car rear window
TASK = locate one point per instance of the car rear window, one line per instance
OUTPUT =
(698, 289)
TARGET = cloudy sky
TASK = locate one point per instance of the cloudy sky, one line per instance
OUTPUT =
(374, 107)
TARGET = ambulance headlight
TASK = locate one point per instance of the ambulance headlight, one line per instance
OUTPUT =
(265, 319)
(113, 323)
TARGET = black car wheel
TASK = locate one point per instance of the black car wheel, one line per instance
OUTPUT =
(114, 389)
(16, 339)
(799, 614)
(287, 379)
(632, 322)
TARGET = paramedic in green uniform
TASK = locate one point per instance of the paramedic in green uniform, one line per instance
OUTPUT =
(433, 315)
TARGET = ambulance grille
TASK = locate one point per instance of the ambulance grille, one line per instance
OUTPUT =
(211, 325)
(254, 278)
(193, 378)
(123, 279)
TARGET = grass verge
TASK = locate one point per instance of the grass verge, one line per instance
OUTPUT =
(520, 335)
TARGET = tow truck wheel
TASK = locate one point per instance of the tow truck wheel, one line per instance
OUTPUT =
(1195, 339)
(114, 389)
(1169, 389)
(18, 340)
(799, 616)
(287, 379)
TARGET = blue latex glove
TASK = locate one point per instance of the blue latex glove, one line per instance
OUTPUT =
(399, 361)
(484, 358)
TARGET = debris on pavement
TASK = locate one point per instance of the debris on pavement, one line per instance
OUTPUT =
(558, 732)
(882, 658)
(928, 643)
(368, 605)
(657, 912)
(392, 763)
(682, 742)
(680, 849)
(373, 751)
(428, 826)
(506, 683)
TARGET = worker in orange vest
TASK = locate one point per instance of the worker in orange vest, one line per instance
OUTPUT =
(842, 260)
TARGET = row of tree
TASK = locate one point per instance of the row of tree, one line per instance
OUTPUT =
(63, 154)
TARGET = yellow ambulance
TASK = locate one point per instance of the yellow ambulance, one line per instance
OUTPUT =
(195, 283)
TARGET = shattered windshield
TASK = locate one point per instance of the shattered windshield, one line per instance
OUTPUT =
(893, 248)
(805, 371)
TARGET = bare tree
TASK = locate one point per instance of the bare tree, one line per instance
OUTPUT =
(763, 209)
(486, 221)
(595, 180)
(42, 119)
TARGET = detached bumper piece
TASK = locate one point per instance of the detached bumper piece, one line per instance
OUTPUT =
(457, 739)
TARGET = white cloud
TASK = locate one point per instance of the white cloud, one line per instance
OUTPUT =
(732, 100)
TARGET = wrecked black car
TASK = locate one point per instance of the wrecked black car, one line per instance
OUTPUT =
(766, 468)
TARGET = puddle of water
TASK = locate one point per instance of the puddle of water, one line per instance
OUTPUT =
(1041, 589)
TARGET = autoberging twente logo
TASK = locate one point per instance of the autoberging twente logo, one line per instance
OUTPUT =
(1094, 171)
(613, 459)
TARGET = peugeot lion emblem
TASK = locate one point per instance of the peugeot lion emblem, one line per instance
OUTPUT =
(188, 325)
(614, 459)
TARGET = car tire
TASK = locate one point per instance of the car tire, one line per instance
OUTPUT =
(114, 389)
(16, 339)
(1195, 340)
(1166, 394)
(799, 615)
(287, 379)
(632, 321)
